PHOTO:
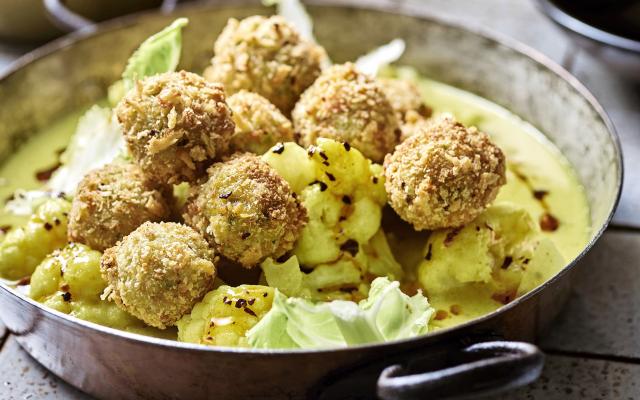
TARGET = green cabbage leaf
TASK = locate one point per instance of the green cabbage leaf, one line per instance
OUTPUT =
(387, 314)
(159, 53)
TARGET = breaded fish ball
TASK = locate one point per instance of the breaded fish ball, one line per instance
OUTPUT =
(408, 104)
(259, 124)
(265, 55)
(246, 211)
(405, 98)
(110, 203)
(159, 272)
(443, 176)
(348, 106)
(175, 124)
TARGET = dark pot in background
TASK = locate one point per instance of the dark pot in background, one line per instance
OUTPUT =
(607, 29)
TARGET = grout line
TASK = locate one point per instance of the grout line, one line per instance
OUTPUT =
(4, 339)
(592, 356)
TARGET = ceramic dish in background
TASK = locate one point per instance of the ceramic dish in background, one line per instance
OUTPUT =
(75, 71)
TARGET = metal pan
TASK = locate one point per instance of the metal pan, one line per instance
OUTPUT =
(75, 71)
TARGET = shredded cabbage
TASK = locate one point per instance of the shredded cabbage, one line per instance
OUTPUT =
(387, 314)
(371, 62)
(97, 141)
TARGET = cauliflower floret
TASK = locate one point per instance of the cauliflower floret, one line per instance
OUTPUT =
(69, 281)
(343, 193)
(498, 256)
(225, 314)
(24, 248)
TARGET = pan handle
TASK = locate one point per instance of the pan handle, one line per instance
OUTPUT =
(488, 368)
(68, 21)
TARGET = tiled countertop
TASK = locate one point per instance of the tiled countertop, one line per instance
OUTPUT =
(593, 350)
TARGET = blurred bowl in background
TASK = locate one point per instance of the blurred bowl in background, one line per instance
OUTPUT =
(608, 29)
(26, 21)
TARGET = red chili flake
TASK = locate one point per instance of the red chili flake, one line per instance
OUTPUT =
(346, 199)
(526, 261)
(375, 180)
(548, 222)
(56, 221)
(540, 194)
(448, 240)
(504, 298)
(241, 303)
(521, 176)
(5, 228)
(440, 315)
(249, 311)
(323, 186)
(245, 235)
(24, 281)
(425, 110)
(48, 226)
(428, 255)
(311, 151)
(507, 262)
(251, 301)
(66, 296)
(330, 176)
(65, 287)
(265, 294)
(45, 174)
(351, 247)
(324, 156)
(225, 195)
(347, 146)
(278, 149)
(455, 309)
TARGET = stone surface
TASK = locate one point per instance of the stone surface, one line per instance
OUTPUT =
(569, 378)
(506, 17)
(602, 315)
(21, 378)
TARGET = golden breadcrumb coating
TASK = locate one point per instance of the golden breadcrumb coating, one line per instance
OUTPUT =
(348, 106)
(259, 124)
(265, 55)
(413, 123)
(175, 125)
(159, 272)
(443, 176)
(246, 211)
(405, 98)
(110, 203)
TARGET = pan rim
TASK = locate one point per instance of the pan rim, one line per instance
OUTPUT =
(391, 7)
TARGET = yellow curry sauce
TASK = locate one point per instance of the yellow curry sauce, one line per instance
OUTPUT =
(539, 179)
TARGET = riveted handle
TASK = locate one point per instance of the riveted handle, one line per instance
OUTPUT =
(486, 368)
